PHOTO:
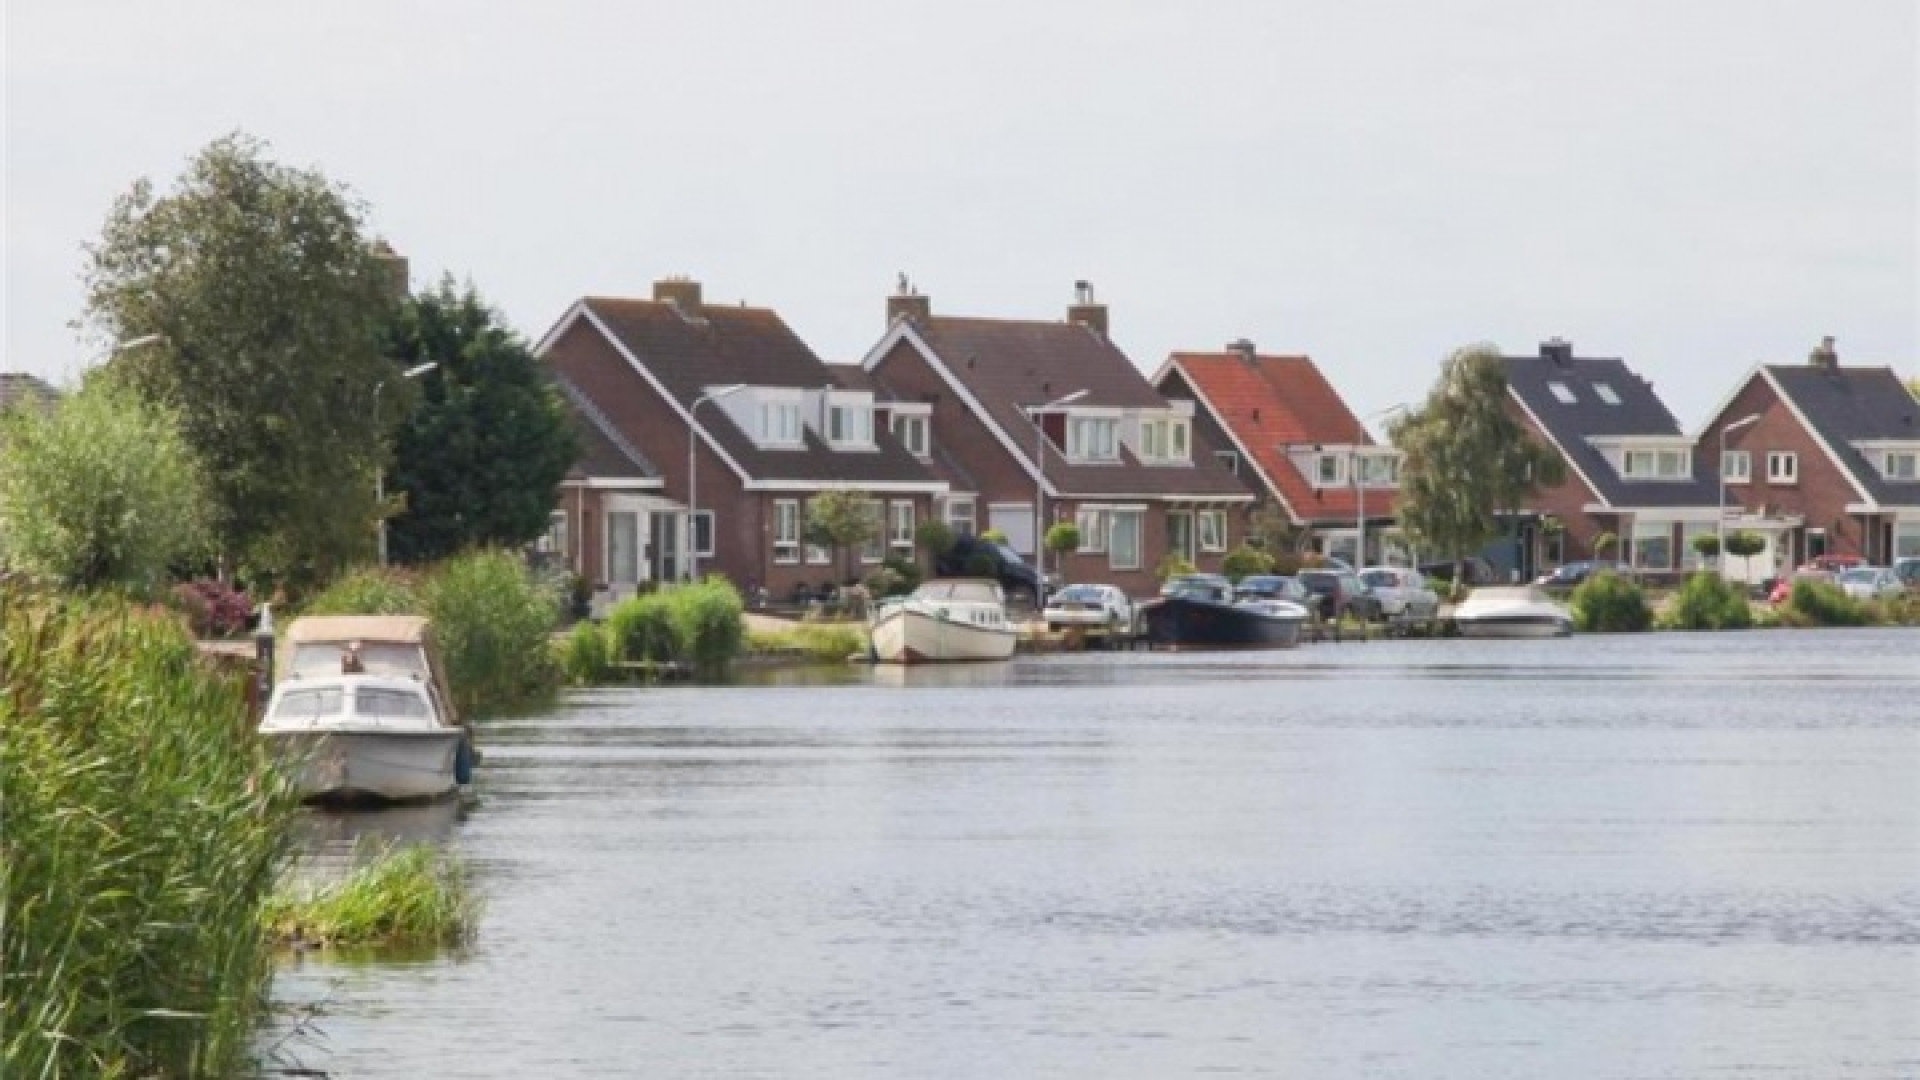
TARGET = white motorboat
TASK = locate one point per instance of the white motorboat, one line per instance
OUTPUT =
(362, 712)
(1512, 611)
(944, 620)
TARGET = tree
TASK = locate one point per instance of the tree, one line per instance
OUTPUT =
(1466, 458)
(102, 489)
(479, 460)
(842, 520)
(270, 307)
(1913, 386)
(1272, 529)
(1744, 545)
(1063, 537)
(1246, 561)
(1707, 546)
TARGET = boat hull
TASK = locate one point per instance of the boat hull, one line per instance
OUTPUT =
(370, 766)
(1516, 626)
(1176, 622)
(906, 635)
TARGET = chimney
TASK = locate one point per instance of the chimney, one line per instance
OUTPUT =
(393, 266)
(680, 291)
(1242, 348)
(1085, 312)
(907, 301)
(1557, 351)
(1823, 356)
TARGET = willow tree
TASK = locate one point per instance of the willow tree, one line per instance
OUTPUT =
(269, 307)
(1467, 459)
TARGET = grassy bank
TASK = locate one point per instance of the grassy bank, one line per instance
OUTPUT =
(406, 896)
(143, 831)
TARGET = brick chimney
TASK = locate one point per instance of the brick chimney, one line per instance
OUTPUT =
(1085, 312)
(1557, 351)
(394, 266)
(1242, 348)
(1823, 355)
(906, 300)
(680, 291)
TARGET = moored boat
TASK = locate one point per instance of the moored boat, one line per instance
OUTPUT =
(1512, 611)
(944, 620)
(1199, 612)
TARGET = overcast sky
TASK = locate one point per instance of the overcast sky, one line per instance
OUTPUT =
(1695, 186)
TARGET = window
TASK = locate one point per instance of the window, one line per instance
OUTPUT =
(1736, 467)
(1656, 465)
(1605, 393)
(874, 547)
(1906, 539)
(900, 525)
(1213, 530)
(1229, 458)
(1562, 393)
(1653, 545)
(1093, 529)
(702, 525)
(1329, 470)
(786, 531)
(1093, 438)
(1123, 540)
(1153, 439)
(960, 516)
(1380, 470)
(1783, 467)
(912, 433)
(1180, 534)
(780, 423)
(1901, 464)
(1177, 440)
(555, 539)
(850, 425)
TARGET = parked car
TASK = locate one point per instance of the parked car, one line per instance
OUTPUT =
(1273, 587)
(1401, 592)
(1172, 584)
(971, 556)
(1834, 563)
(1478, 571)
(1908, 570)
(1784, 587)
(1576, 573)
(1089, 605)
(1871, 582)
(1340, 592)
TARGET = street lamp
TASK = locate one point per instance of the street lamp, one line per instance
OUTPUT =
(693, 488)
(1360, 509)
(1720, 504)
(1040, 479)
(380, 474)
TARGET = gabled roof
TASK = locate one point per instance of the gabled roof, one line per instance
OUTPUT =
(1008, 365)
(604, 452)
(683, 352)
(1272, 403)
(1848, 405)
(18, 388)
(1570, 425)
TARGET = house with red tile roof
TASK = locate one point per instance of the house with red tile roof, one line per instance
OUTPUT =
(1281, 425)
(1032, 422)
(719, 425)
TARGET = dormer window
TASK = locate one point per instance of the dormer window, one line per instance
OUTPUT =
(1330, 470)
(1562, 393)
(1657, 465)
(912, 433)
(780, 423)
(1093, 438)
(1605, 393)
(1163, 440)
(849, 425)
(1379, 470)
(1902, 465)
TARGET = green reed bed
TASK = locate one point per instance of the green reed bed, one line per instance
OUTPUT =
(143, 829)
(400, 897)
(820, 641)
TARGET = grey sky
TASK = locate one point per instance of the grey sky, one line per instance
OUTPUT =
(1694, 186)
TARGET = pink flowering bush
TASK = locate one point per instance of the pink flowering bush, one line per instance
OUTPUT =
(214, 608)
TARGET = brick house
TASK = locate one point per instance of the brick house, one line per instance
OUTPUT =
(611, 473)
(740, 423)
(1288, 432)
(1035, 422)
(1631, 472)
(1820, 459)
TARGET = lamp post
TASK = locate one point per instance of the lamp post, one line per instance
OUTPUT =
(380, 474)
(1040, 480)
(1720, 504)
(693, 478)
(1360, 488)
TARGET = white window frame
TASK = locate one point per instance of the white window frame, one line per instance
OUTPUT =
(780, 423)
(1229, 458)
(913, 432)
(1214, 522)
(1179, 440)
(1562, 393)
(1153, 439)
(1329, 470)
(1654, 464)
(786, 531)
(969, 524)
(1906, 539)
(694, 521)
(849, 425)
(1604, 391)
(1093, 438)
(1093, 522)
(1651, 531)
(1139, 518)
(1908, 471)
(1741, 475)
(1783, 467)
(900, 524)
(1379, 469)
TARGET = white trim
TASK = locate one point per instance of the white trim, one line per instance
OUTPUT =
(1247, 458)
(904, 487)
(604, 483)
(1821, 440)
(1572, 465)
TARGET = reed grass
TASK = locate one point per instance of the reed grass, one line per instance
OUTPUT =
(821, 641)
(143, 831)
(401, 896)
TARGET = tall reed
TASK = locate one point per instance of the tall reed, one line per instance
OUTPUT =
(400, 896)
(143, 830)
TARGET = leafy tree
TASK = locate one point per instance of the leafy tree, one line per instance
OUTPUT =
(1706, 545)
(1062, 539)
(935, 537)
(1467, 459)
(479, 460)
(1246, 561)
(1744, 545)
(1272, 529)
(271, 308)
(842, 520)
(101, 489)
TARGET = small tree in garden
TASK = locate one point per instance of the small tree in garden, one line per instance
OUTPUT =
(842, 520)
(936, 538)
(1744, 545)
(1064, 537)
(1246, 561)
(1707, 546)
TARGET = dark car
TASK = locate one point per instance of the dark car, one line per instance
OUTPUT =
(1272, 587)
(1340, 592)
(1909, 571)
(1478, 571)
(1576, 573)
(971, 556)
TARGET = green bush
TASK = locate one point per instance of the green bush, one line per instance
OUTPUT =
(369, 590)
(707, 625)
(1246, 561)
(1710, 602)
(896, 576)
(1821, 603)
(144, 829)
(994, 536)
(640, 630)
(493, 619)
(1172, 567)
(1609, 603)
(584, 657)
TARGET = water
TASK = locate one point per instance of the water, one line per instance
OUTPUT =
(1651, 856)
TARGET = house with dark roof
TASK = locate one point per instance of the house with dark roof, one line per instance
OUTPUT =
(741, 424)
(610, 472)
(1820, 459)
(1281, 425)
(19, 388)
(1033, 422)
(1631, 471)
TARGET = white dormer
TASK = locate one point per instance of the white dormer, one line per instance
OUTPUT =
(1093, 435)
(1337, 465)
(773, 416)
(1647, 457)
(912, 423)
(1162, 438)
(1897, 459)
(846, 421)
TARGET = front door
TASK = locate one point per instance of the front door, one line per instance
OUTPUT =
(623, 553)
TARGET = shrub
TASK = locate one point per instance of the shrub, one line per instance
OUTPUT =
(1246, 561)
(1287, 562)
(640, 630)
(213, 608)
(1821, 603)
(707, 625)
(1609, 603)
(994, 536)
(144, 829)
(935, 537)
(1710, 602)
(492, 620)
(1172, 567)
(407, 896)
(896, 576)
(584, 657)
(369, 590)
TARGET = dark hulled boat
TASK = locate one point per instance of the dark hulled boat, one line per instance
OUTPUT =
(1199, 612)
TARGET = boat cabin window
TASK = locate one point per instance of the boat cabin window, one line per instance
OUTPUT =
(310, 703)
(369, 701)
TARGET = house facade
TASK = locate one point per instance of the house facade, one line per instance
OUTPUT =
(1632, 474)
(737, 424)
(1820, 459)
(1282, 427)
(1032, 422)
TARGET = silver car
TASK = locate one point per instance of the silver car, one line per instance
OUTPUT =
(1403, 593)
(1089, 605)
(1871, 582)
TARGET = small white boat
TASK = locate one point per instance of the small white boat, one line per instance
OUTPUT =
(1512, 611)
(362, 712)
(944, 620)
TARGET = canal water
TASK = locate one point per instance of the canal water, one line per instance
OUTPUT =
(1643, 856)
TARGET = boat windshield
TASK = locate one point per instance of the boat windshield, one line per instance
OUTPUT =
(371, 701)
(309, 703)
(965, 592)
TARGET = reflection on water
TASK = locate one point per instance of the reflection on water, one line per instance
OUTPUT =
(1652, 856)
(339, 831)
